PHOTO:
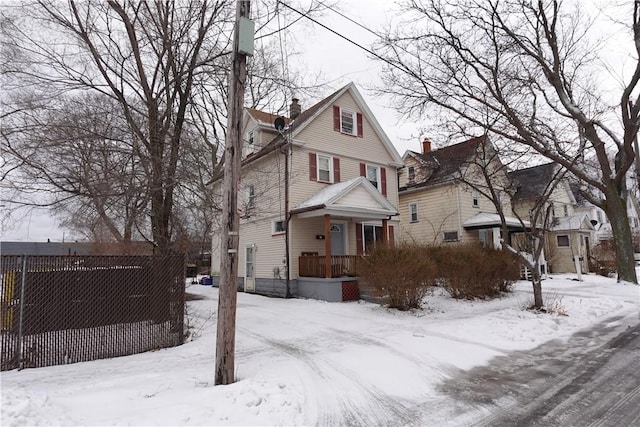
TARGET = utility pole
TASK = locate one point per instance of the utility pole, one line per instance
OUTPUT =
(228, 291)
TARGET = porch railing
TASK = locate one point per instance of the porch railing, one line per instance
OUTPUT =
(315, 266)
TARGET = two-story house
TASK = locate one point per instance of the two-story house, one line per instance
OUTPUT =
(443, 194)
(338, 185)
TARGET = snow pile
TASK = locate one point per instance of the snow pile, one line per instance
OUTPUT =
(304, 362)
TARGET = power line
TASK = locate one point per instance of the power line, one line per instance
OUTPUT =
(351, 20)
(315, 21)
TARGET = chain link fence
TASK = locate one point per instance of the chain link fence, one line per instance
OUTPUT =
(66, 309)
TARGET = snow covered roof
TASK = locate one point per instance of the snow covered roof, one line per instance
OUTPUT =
(356, 198)
(490, 220)
(572, 222)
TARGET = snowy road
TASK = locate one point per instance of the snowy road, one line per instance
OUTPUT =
(305, 363)
(592, 380)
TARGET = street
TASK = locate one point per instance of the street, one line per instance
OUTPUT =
(592, 380)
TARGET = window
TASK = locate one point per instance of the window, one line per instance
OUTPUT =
(373, 175)
(251, 201)
(347, 122)
(376, 175)
(498, 197)
(565, 210)
(251, 141)
(563, 241)
(372, 234)
(413, 212)
(412, 173)
(475, 197)
(450, 236)
(324, 169)
(278, 227)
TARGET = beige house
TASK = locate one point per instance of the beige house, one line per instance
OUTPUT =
(443, 194)
(340, 184)
(570, 234)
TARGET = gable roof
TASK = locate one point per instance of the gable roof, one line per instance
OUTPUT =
(532, 182)
(444, 164)
(263, 117)
(308, 115)
(338, 198)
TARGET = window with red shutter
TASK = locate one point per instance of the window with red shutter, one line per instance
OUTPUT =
(383, 181)
(347, 122)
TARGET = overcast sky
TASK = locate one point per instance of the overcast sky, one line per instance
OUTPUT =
(337, 62)
(321, 52)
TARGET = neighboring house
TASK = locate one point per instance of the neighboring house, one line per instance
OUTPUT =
(570, 232)
(441, 194)
(569, 237)
(596, 215)
(343, 197)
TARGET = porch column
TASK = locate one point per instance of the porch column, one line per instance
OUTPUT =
(327, 246)
(385, 232)
(496, 238)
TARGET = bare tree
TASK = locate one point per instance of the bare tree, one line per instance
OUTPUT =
(164, 65)
(525, 71)
(143, 55)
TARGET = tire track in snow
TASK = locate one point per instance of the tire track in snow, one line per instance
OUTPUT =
(343, 386)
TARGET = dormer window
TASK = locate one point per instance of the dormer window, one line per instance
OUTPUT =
(347, 122)
(412, 174)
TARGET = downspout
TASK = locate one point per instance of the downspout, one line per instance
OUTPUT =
(459, 213)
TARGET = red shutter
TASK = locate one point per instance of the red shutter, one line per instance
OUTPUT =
(392, 239)
(363, 169)
(383, 181)
(336, 118)
(336, 169)
(359, 120)
(359, 238)
(313, 169)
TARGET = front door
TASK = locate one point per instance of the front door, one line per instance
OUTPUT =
(249, 276)
(337, 239)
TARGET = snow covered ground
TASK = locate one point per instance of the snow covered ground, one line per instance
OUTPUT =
(305, 362)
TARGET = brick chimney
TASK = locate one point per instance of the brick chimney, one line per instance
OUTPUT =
(426, 145)
(295, 109)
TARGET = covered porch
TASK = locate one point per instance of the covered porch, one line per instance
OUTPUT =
(351, 217)
(489, 228)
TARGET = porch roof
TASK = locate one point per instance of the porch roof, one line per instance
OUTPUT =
(572, 223)
(357, 199)
(492, 220)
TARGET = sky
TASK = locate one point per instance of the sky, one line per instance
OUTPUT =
(337, 62)
(329, 363)
(346, 63)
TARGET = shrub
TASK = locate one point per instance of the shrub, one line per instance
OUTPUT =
(471, 271)
(400, 276)
(604, 257)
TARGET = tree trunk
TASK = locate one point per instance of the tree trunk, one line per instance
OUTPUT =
(536, 281)
(617, 213)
